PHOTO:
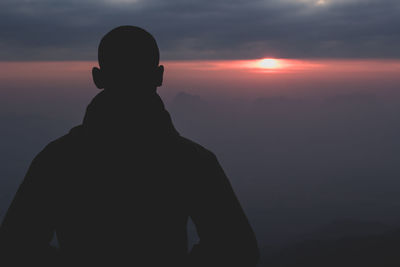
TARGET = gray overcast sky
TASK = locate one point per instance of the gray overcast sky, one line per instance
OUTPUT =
(204, 29)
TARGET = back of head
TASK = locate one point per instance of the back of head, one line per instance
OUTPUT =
(128, 59)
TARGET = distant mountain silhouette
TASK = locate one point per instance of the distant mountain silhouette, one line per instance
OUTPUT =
(349, 228)
(352, 247)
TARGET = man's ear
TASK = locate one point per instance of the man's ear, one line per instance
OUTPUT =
(98, 78)
(159, 75)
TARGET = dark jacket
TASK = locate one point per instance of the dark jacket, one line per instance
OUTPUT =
(118, 191)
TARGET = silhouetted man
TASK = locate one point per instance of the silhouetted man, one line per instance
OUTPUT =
(118, 190)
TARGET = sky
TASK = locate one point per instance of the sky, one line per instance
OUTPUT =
(299, 99)
(208, 29)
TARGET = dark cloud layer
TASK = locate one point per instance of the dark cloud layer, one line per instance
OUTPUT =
(187, 29)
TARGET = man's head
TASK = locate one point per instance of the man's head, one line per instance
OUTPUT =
(129, 61)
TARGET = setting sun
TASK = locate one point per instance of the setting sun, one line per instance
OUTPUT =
(269, 63)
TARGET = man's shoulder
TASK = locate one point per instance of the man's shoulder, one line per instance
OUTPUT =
(63, 145)
(195, 149)
(74, 136)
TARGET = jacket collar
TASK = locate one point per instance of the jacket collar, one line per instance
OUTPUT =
(113, 115)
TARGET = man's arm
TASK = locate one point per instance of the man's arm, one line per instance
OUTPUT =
(28, 226)
(226, 237)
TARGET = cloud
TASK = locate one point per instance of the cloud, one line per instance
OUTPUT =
(70, 30)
